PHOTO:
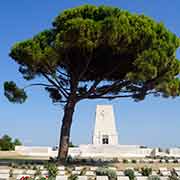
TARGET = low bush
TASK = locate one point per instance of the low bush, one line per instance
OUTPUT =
(38, 172)
(34, 168)
(173, 176)
(154, 177)
(104, 171)
(73, 177)
(125, 161)
(134, 161)
(83, 172)
(69, 159)
(145, 171)
(130, 174)
(115, 160)
(11, 173)
(175, 161)
(52, 169)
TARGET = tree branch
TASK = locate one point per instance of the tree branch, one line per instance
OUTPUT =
(55, 84)
(66, 75)
(61, 86)
(115, 96)
(114, 85)
(108, 97)
(38, 84)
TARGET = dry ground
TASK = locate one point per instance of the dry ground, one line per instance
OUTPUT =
(14, 155)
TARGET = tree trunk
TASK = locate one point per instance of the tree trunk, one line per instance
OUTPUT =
(65, 129)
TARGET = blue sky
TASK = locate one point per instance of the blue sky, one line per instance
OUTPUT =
(153, 122)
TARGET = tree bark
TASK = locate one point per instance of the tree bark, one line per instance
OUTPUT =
(65, 129)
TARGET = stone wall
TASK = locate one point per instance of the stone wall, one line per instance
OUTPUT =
(33, 150)
(98, 151)
(174, 152)
(109, 151)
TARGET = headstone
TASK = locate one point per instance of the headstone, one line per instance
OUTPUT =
(4, 176)
(136, 173)
(18, 171)
(105, 127)
(61, 178)
(122, 178)
(4, 171)
(44, 172)
(78, 168)
(164, 178)
(154, 173)
(120, 173)
(61, 173)
(164, 172)
(76, 172)
(82, 178)
(90, 173)
(101, 178)
(93, 168)
(61, 168)
(30, 172)
(176, 168)
(142, 178)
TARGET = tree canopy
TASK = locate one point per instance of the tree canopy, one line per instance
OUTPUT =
(99, 52)
(6, 143)
(102, 43)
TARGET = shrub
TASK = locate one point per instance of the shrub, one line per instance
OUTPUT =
(175, 161)
(38, 172)
(115, 160)
(136, 169)
(73, 177)
(52, 169)
(29, 166)
(134, 161)
(104, 171)
(173, 176)
(145, 171)
(69, 159)
(130, 174)
(34, 168)
(23, 166)
(125, 161)
(153, 177)
(11, 173)
(13, 165)
(83, 172)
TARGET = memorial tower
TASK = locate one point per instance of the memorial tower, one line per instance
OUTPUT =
(105, 128)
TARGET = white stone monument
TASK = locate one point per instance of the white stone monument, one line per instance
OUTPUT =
(105, 128)
(105, 143)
